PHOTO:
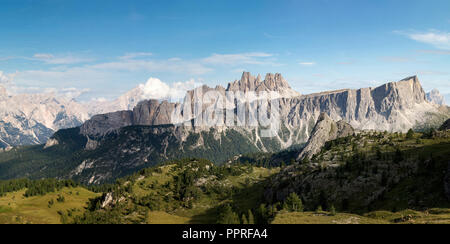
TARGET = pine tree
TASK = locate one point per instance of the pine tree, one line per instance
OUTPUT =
(251, 218)
(410, 134)
(262, 214)
(293, 203)
(227, 216)
(244, 220)
(332, 210)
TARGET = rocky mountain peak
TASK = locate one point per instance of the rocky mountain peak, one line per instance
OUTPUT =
(404, 94)
(272, 82)
(435, 97)
(275, 81)
(246, 83)
(412, 86)
(101, 124)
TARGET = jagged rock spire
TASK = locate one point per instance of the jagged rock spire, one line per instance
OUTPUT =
(272, 82)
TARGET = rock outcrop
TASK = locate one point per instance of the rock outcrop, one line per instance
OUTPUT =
(435, 97)
(101, 124)
(325, 130)
(272, 82)
(152, 112)
(50, 143)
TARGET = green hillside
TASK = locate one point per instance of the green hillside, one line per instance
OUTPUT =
(15, 208)
(371, 174)
(432, 216)
(124, 152)
(370, 177)
(185, 191)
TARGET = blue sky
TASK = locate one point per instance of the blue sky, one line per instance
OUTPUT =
(104, 48)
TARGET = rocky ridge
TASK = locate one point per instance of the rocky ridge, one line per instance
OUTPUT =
(395, 106)
(325, 130)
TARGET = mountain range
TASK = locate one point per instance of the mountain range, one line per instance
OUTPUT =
(29, 119)
(112, 145)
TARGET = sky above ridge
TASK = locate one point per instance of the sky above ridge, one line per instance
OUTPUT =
(101, 49)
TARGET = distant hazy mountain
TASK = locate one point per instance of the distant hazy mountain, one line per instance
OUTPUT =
(29, 119)
(126, 101)
(435, 96)
(33, 118)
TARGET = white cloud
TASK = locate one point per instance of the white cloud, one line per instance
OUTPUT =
(136, 55)
(175, 59)
(99, 100)
(43, 56)
(72, 92)
(13, 88)
(176, 66)
(259, 58)
(398, 59)
(6, 58)
(156, 89)
(3, 78)
(60, 59)
(307, 63)
(436, 38)
(112, 75)
(7, 79)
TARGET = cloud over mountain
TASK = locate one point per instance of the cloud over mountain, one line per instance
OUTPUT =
(3, 78)
(438, 39)
(154, 88)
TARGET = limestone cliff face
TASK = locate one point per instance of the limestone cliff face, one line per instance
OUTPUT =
(325, 130)
(101, 124)
(152, 112)
(395, 106)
